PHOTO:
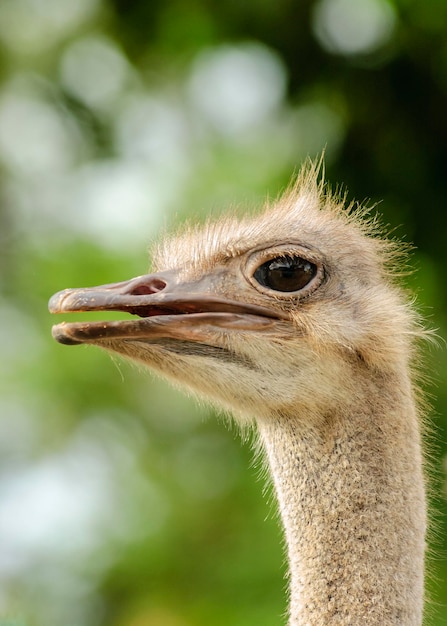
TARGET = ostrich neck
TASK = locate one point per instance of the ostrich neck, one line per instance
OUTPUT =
(351, 496)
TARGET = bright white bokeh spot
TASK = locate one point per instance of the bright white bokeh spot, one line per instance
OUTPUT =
(352, 27)
(70, 503)
(42, 508)
(94, 70)
(35, 137)
(153, 128)
(236, 88)
(116, 202)
(31, 26)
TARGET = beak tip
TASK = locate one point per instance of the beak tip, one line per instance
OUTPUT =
(55, 302)
(60, 334)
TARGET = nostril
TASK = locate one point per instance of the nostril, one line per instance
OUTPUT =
(152, 286)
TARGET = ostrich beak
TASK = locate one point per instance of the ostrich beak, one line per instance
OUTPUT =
(167, 308)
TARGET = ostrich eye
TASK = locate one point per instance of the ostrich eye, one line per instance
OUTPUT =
(285, 273)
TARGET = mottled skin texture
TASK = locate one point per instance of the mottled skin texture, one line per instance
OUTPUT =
(327, 384)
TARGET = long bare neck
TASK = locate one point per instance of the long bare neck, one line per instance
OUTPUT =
(351, 496)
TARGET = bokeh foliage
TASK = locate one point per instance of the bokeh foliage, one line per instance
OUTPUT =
(123, 503)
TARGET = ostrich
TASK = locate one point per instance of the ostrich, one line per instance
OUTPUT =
(292, 320)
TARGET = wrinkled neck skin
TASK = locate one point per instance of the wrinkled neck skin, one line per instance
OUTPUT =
(351, 496)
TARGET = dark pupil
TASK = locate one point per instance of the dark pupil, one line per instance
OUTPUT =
(285, 273)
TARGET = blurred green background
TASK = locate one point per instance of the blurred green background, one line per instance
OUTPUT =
(123, 503)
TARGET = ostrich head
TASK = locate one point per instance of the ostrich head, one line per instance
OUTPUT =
(261, 313)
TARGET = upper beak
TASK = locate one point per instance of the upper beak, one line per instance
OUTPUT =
(168, 307)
